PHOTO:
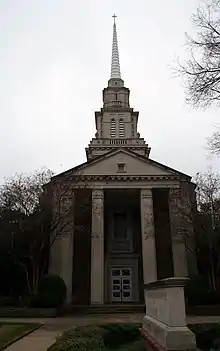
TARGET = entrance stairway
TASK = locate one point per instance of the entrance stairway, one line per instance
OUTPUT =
(106, 309)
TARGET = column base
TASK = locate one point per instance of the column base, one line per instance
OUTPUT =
(162, 337)
(96, 303)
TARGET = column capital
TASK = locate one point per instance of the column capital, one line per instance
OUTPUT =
(97, 202)
(97, 193)
(146, 193)
(175, 193)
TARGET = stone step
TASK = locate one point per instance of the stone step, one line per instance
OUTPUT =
(106, 309)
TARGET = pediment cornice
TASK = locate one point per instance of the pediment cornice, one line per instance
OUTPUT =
(128, 178)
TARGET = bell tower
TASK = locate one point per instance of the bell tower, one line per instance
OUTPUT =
(116, 122)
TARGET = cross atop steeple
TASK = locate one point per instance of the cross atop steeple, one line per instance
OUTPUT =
(115, 64)
(114, 16)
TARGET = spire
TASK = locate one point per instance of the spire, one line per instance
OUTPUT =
(115, 65)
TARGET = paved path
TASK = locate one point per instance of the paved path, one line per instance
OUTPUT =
(39, 340)
(42, 338)
(64, 323)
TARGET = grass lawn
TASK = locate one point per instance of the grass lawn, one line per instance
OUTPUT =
(10, 332)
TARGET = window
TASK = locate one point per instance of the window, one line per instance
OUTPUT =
(121, 167)
(116, 272)
(121, 128)
(116, 96)
(113, 128)
(132, 128)
(120, 226)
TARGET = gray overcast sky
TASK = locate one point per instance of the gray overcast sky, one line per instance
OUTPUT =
(55, 60)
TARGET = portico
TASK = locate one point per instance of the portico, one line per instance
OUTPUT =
(123, 245)
(128, 241)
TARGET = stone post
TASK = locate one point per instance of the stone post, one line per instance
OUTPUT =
(97, 247)
(177, 234)
(164, 325)
(148, 238)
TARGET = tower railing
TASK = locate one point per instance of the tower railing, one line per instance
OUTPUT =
(118, 141)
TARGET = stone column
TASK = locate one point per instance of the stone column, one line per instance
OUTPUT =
(67, 263)
(61, 255)
(148, 238)
(177, 234)
(97, 247)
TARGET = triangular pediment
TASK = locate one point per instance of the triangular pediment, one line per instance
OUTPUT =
(134, 164)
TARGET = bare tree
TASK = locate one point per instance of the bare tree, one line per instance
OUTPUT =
(202, 71)
(213, 143)
(208, 225)
(199, 225)
(44, 211)
(23, 191)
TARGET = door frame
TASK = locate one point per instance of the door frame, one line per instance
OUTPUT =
(126, 262)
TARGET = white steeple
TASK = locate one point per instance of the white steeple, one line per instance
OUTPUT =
(116, 122)
(115, 64)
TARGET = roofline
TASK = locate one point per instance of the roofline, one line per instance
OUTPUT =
(126, 151)
(170, 168)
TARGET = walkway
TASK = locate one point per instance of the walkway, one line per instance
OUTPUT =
(42, 338)
(39, 340)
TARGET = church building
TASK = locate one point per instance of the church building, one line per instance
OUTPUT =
(123, 219)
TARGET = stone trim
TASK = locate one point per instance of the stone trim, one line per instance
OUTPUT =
(123, 255)
(150, 341)
(116, 109)
(104, 147)
(166, 283)
(122, 177)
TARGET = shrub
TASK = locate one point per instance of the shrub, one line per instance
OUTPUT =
(8, 301)
(137, 345)
(119, 334)
(207, 335)
(197, 292)
(80, 339)
(121, 337)
(216, 344)
(51, 292)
